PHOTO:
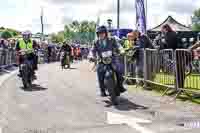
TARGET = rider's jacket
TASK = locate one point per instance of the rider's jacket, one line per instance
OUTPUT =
(22, 45)
(66, 48)
(108, 44)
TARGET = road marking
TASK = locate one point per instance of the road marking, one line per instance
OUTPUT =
(114, 118)
(3, 78)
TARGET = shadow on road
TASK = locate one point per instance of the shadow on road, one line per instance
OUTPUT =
(125, 105)
(35, 88)
(72, 68)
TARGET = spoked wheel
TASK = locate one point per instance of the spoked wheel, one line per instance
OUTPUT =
(111, 85)
(26, 77)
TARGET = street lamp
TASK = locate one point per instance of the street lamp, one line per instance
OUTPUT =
(118, 16)
(109, 21)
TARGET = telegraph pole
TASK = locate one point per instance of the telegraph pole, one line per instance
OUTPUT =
(118, 17)
(146, 12)
(42, 24)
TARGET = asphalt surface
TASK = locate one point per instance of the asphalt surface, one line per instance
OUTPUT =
(68, 101)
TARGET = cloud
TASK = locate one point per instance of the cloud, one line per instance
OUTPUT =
(73, 1)
(25, 14)
(183, 6)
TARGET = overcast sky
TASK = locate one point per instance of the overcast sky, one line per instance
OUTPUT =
(25, 14)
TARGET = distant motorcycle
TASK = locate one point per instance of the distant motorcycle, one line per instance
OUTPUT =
(65, 59)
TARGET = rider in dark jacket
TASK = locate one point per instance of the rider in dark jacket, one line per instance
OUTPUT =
(66, 47)
(104, 43)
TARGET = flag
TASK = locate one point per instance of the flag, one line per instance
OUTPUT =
(140, 16)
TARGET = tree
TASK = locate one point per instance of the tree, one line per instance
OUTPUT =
(196, 26)
(197, 13)
(2, 28)
(57, 38)
(6, 34)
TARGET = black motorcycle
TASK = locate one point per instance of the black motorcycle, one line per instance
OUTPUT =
(65, 59)
(26, 68)
(110, 76)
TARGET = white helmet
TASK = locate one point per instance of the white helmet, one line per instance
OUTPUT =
(26, 33)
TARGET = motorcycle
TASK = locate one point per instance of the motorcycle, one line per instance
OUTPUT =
(65, 59)
(110, 77)
(26, 68)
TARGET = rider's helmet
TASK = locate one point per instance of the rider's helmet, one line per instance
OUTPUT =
(26, 34)
(102, 29)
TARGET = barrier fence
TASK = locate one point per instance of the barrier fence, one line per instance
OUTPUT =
(8, 58)
(173, 69)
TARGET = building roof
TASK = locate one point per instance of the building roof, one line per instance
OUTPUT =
(175, 25)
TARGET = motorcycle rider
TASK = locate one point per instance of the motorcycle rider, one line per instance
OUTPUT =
(66, 48)
(26, 44)
(105, 43)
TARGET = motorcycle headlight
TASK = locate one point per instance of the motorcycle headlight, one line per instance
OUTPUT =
(107, 60)
(130, 53)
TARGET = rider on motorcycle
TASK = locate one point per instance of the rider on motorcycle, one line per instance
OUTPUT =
(66, 48)
(26, 44)
(106, 43)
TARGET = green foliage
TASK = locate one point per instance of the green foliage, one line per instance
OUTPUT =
(8, 32)
(196, 27)
(6, 35)
(57, 38)
(83, 31)
(197, 13)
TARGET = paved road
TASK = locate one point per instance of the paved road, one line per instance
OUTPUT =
(67, 101)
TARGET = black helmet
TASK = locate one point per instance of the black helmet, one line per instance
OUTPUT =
(102, 29)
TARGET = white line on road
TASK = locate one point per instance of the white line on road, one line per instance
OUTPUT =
(3, 78)
(114, 118)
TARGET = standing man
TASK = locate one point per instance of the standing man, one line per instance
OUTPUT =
(142, 43)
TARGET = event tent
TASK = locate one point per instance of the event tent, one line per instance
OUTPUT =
(176, 26)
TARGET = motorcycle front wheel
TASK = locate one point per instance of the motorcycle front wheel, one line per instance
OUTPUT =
(25, 77)
(111, 84)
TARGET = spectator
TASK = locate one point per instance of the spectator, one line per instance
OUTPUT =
(2, 44)
(171, 42)
(170, 37)
(129, 44)
(142, 42)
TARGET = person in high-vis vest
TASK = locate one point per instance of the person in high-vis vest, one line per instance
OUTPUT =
(129, 43)
(26, 44)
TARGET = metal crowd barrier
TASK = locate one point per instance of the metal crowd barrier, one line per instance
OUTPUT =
(173, 69)
(7, 58)
(187, 71)
(159, 68)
